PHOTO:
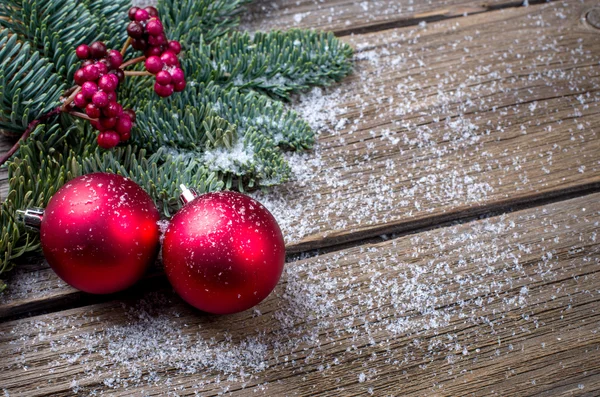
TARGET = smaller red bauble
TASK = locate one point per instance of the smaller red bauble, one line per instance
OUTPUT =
(223, 252)
(99, 232)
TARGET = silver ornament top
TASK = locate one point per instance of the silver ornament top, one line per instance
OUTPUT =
(187, 195)
(31, 218)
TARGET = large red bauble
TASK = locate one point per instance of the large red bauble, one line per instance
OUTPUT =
(223, 252)
(99, 233)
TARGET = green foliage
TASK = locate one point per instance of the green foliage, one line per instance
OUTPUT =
(190, 20)
(28, 85)
(276, 63)
(227, 130)
(54, 27)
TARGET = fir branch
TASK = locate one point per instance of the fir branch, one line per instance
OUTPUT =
(28, 86)
(56, 27)
(191, 20)
(277, 63)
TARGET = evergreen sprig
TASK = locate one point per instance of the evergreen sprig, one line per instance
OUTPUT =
(226, 130)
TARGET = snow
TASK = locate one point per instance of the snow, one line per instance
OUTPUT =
(409, 135)
(420, 129)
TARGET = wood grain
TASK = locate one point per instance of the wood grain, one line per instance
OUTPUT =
(350, 17)
(441, 122)
(508, 305)
(453, 119)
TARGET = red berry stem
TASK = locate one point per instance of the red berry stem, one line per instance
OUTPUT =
(80, 115)
(136, 73)
(126, 46)
(28, 131)
(133, 61)
(71, 97)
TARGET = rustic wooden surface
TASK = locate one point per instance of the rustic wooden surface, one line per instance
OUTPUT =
(447, 117)
(506, 304)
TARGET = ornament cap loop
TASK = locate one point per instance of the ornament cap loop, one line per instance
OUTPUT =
(31, 217)
(187, 195)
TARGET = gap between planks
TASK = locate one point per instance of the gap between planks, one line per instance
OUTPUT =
(347, 18)
(58, 296)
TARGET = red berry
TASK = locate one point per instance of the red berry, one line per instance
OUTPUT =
(91, 73)
(163, 77)
(83, 51)
(123, 125)
(120, 74)
(114, 78)
(135, 30)
(164, 90)
(154, 64)
(169, 58)
(139, 44)
(92, 110)
(112, 96)
(79, 77)
(113, 109)
(153, 12)
(125, 136)
(154, 27)
(100, 99)
(156, 41)
(87, 62)
(102, 66)
(141, 15)
(88, 89)
(177, 75)
(108, 122)
(98, 50)
(108, 139)
(132, 11)
(115, 59)
(179, 86)
(174, 47)
(80, 101)
(96, 125)
(153, 51)
(131, 114)
(108, 83)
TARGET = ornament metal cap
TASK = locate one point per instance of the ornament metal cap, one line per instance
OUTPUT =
(187, 195)
(31, 218)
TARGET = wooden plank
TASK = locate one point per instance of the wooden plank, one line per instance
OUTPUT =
(346, 17)
(507, 305)
(446, 121)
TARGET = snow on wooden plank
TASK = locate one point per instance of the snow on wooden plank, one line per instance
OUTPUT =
(508, 303)
(346, 17)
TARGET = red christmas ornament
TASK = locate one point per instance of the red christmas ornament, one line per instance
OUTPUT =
(223, 252)
(99, 232)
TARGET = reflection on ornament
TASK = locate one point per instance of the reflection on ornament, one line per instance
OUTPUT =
(223, 252)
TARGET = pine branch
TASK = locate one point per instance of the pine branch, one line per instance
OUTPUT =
(277, 63)
(28, 86)
(190, 20)
(56, 27)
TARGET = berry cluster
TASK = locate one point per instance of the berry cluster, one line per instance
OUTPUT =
(147, 34)
(98, 78)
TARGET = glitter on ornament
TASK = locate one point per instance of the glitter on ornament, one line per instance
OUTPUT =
(223, 252)
(99, 232)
